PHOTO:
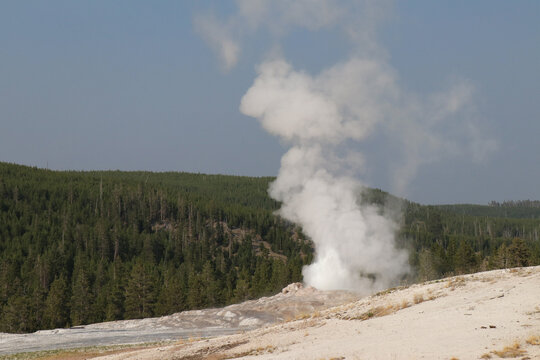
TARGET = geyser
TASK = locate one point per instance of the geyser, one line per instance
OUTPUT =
(317, 115)
(323, 117)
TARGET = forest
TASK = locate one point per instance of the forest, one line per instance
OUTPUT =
(84, 247)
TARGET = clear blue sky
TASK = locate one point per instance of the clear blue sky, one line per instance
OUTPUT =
(131, 85)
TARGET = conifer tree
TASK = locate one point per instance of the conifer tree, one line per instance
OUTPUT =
(56, 312)
(518, 253)
(81, 300)
(140, 292)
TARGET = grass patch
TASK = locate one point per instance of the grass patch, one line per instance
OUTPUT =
(418, 298)
(375, 312)
(302, 316)
(511, 351)
(378, 311)
(255, 352)
(404, 304)
(533, 340)
(456, 282)
(79, 353)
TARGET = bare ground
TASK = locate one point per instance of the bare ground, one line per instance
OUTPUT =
(293, 301)
(487, 315)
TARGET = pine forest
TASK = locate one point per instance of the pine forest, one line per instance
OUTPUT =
(86, 247)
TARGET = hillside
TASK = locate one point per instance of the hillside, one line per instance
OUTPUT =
(494, 314)
(509, 209)
(291, 302)
(87, 247)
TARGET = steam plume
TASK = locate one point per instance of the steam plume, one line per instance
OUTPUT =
(318, 115)
(321, 115)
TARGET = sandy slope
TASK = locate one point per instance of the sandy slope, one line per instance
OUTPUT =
(464, 317)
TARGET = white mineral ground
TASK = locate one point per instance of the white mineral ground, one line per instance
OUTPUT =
(294, 300)
(464, 317)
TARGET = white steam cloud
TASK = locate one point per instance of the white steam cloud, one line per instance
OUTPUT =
(317, 115)
(220, 39)
(321, 115)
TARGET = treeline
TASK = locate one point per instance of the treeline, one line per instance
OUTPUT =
(517, 203)
(509, 209)
(83, 247)
(443, 242)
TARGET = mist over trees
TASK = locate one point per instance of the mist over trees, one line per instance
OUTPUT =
(84, 247)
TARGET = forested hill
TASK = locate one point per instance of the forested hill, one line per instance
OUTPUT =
(509, 209)
(82, 247)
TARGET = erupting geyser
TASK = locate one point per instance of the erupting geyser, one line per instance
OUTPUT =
(321, 116)
(317, 116)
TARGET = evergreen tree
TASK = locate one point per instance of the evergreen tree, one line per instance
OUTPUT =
(17, 315)
(518, 253)
(115, 302)
(196, 291)
(241, 291)
(172, 297)
(140, 292)
(81, 300)
(465, 258)
(426, 266)
(56, 312)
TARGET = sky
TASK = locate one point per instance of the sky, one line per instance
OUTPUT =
(138, 85)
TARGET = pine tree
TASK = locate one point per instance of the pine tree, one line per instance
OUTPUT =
(465, 258)
(81, 300)
(140, 292)
(172, 297)
(518, 253)
(115, 302)
(211, 290)
(196, 292)
(426, 266)
(56, 312)
(17, 315)
(241, 292)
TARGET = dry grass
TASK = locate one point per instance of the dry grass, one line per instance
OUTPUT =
(511, 351)
(456, 282)
(302, 316)
(418, 298)
(78, 353)
(213, 353)
(374, 312)
(535, 311)
(533, 340)
(404, 304)
(383, 310)
(516, 270)
(255, 352)
(389, 291)
(486, 356)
